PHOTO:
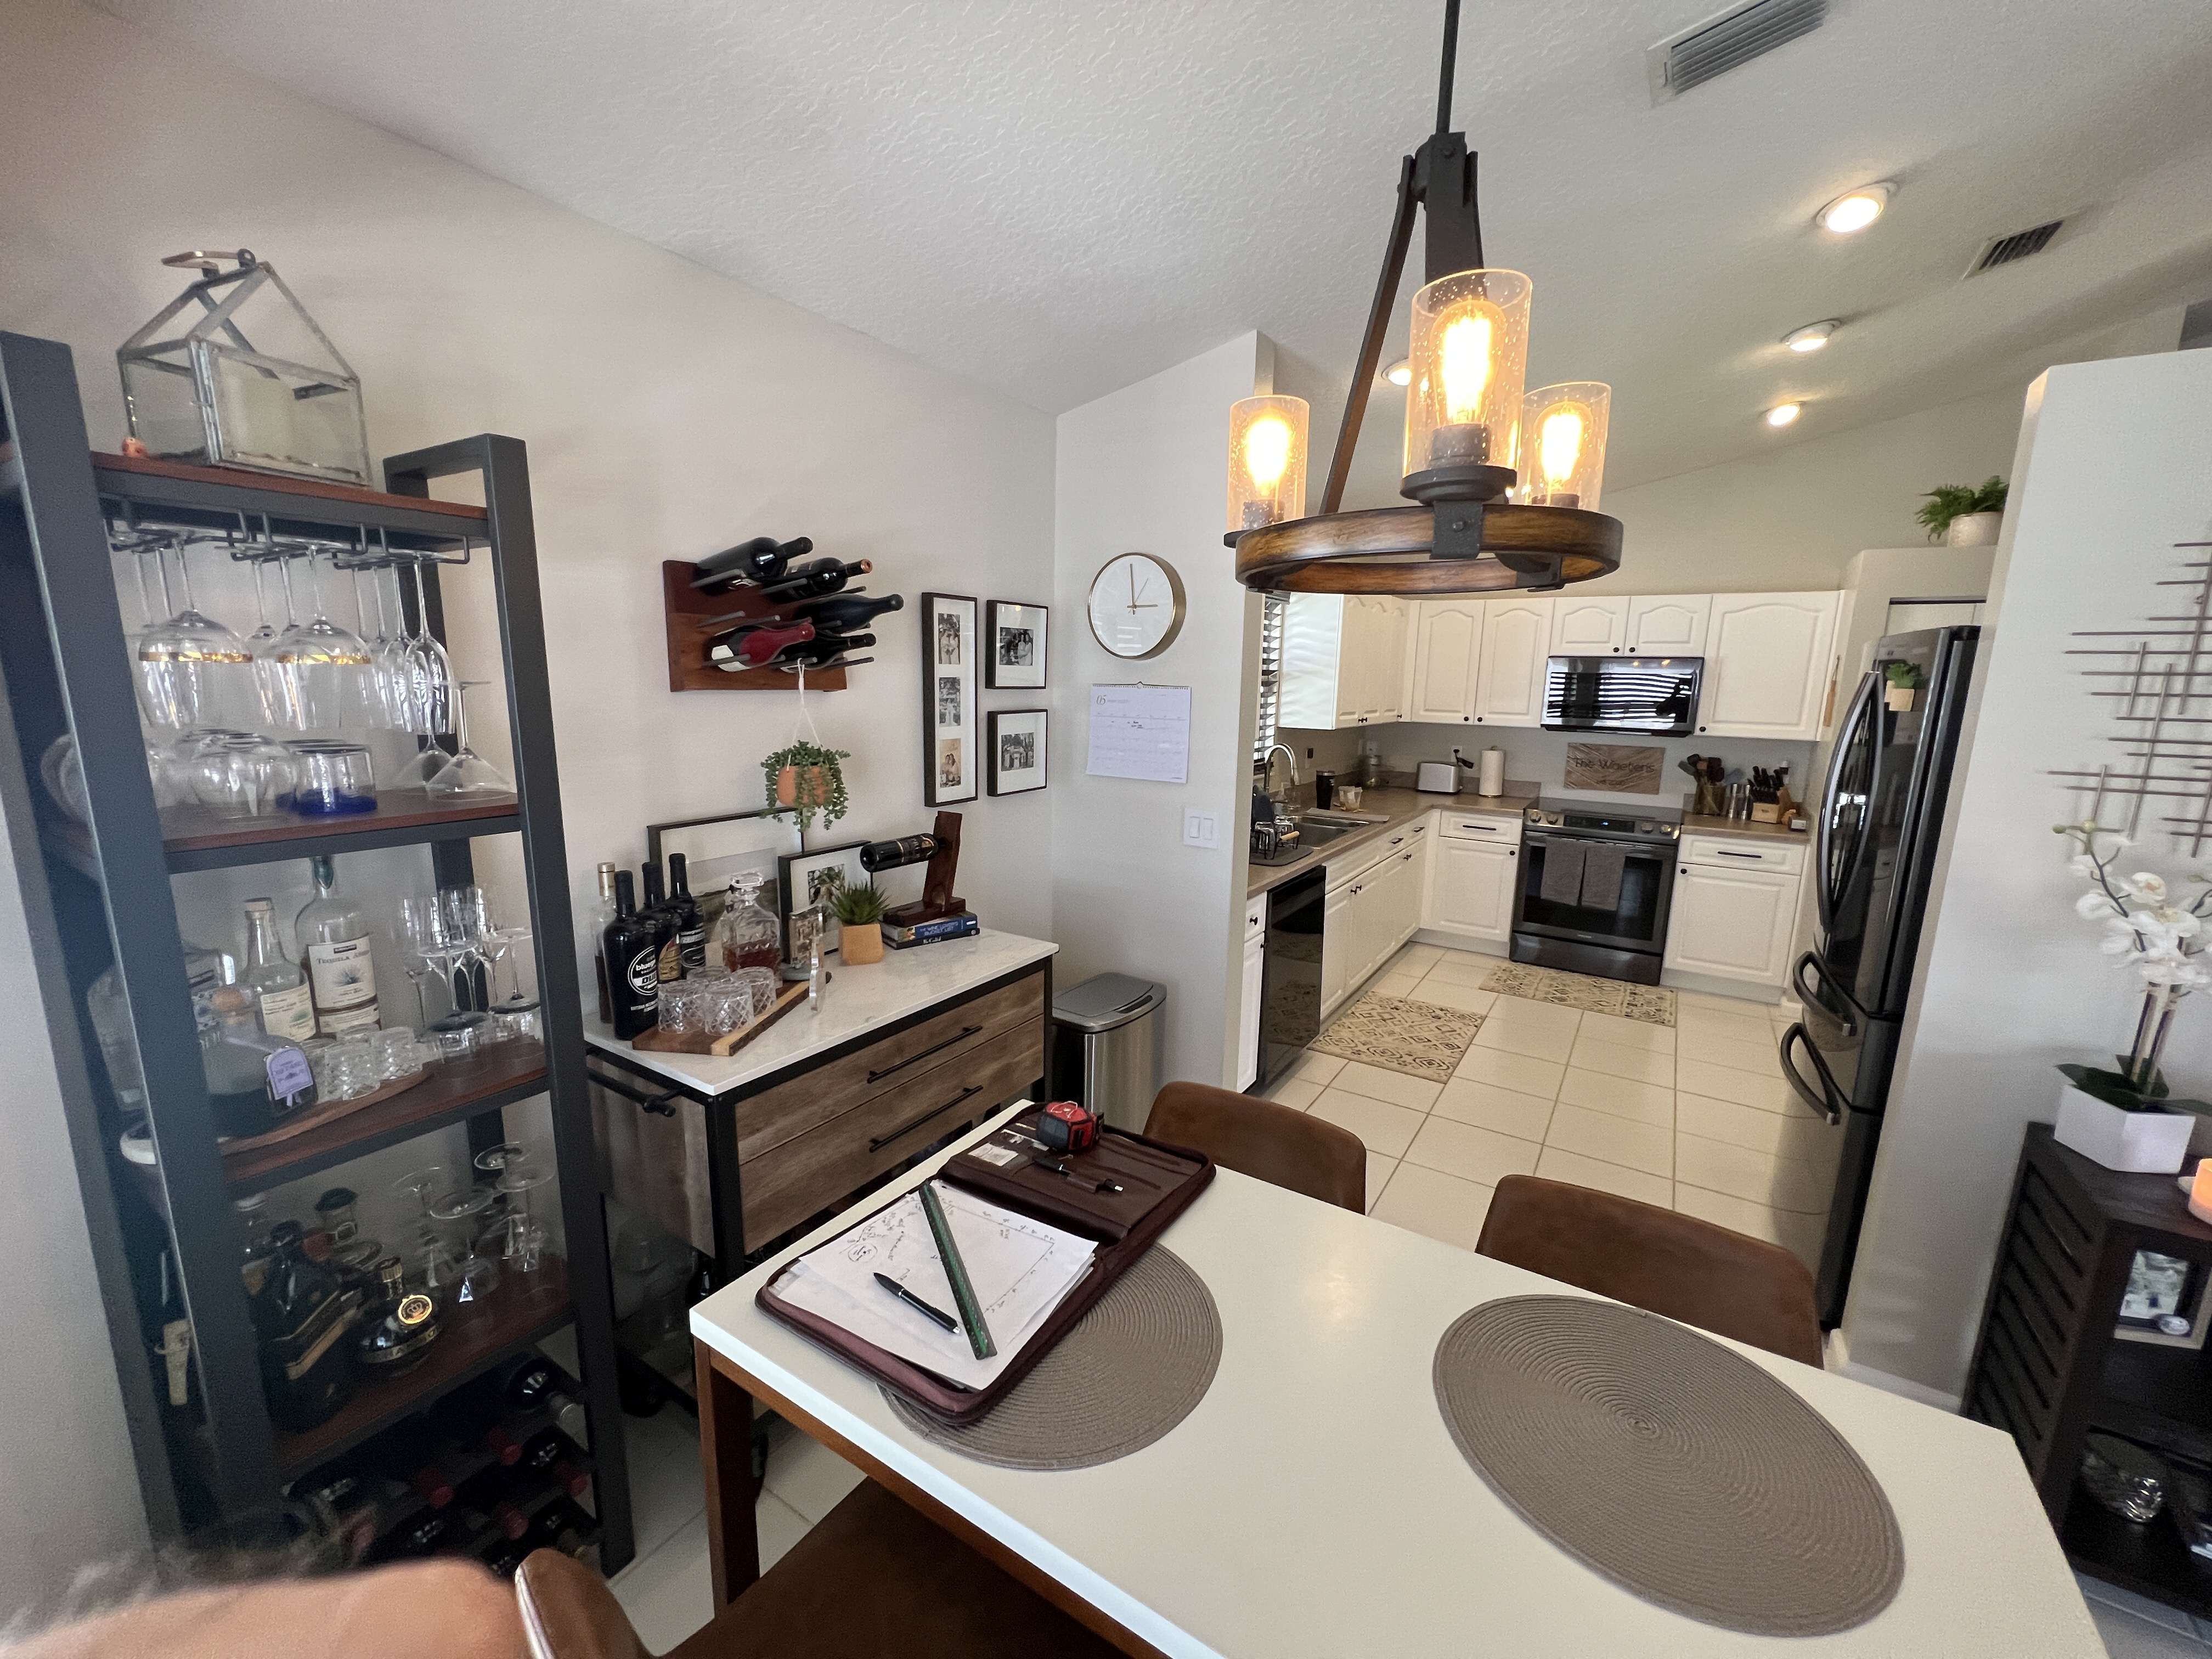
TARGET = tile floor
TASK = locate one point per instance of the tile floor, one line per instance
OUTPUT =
(1697, 1117)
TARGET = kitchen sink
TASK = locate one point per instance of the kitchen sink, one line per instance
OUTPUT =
(1319, 832)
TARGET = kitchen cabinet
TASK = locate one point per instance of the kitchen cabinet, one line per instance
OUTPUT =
(1669, 624)
(1766, 664)
(1733, 923)
(1447, 638)
(1373, 906)
(1472, 887)
(1517, 642)
(1336, 946)
(1247, 1006)
(1589, 627)
(1343, 660)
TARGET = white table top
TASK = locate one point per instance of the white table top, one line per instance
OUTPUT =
(1314, 1504)
(858, 1000)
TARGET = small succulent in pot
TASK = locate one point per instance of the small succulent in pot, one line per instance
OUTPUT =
(809, 779)
(859, 912)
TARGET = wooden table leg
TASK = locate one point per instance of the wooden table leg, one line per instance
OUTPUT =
(726, 1456)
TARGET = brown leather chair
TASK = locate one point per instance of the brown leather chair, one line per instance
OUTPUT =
(875, 1578)
(1264, 1140)
(1658, 1260)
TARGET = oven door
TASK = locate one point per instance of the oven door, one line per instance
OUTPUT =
(1636, 921)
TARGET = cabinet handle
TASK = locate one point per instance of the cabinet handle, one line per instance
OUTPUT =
(961, 1036)
(1395, 840)
(1756, 857)
(660, 1105)
(882, 1141)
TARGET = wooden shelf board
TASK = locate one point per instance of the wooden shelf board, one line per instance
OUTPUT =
(501, 1074)
(150, 467)
(197, 838)
(2149, 1559)
(525, 1309)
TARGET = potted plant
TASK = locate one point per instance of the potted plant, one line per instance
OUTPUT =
(809, 779)
(1905, 683)
(860, 913)
(2123, 1118)
(1964, 515)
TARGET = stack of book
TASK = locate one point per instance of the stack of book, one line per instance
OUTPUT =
(964, 925)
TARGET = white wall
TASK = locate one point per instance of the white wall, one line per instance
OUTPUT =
(2110, 473)
(1139, 470)
(669, 411)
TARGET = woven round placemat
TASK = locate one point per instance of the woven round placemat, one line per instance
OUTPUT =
(1133, 1368)
(1678, 1469)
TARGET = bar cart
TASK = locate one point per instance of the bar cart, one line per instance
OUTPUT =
(166, 1231)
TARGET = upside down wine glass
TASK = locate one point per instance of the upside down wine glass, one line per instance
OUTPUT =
(467, 773)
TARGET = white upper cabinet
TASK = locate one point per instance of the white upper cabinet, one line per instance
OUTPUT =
(1766, 664)
(1447, 651)
(1589, 627)
(1343, 660)
(1374, 660)
(1516, 642)
(1669, 624)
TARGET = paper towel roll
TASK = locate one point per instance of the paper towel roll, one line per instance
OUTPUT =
(1493, 772)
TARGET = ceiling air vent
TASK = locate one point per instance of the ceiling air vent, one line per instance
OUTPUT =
(2008, 250)
(1728, 41)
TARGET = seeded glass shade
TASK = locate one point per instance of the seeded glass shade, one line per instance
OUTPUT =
(1563, 444)
(1267, 462)
(1470, 358)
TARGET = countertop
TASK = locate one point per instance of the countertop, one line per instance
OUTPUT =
(1702, 824)
(1402, 806)
(857, 1001)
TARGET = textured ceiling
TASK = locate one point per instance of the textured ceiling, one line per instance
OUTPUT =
(1056, 200)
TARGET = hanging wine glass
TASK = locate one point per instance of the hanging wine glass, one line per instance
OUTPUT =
(384, 703)
(195, 671)
(468, 772)
(322, 662)
(434, 670)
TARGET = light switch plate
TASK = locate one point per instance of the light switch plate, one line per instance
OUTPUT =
(1202, 828)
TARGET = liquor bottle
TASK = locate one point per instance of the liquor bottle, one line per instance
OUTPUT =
(691, 921)
(595, 926)
(756, 645)
(538, 1385)
(762, 559)
(814, 580)
(896, 854)
(668, 959)
(279, 986)
(554, 1454)
(632, 957)
(747, 933)
(254, 1081)
(841, 613)
(303, 1315)
(824, 649)
(334, 940)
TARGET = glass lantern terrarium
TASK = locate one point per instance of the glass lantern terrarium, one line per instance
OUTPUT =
(233, 372)
(1563, 444)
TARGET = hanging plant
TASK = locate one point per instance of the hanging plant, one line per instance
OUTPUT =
(808, 779)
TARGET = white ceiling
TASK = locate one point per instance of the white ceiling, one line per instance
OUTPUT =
(1059, 199)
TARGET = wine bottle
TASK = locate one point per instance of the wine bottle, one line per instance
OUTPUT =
(553, 1454)
(603, 912)
(896, 854)
(502, 1445)
(823, 648)
(762, 559)
(843, 612)
(538, 1385)
(668, 961)
(691, 920)
(756, 644)
(816, 578)
(431, 1486)
(562, 1526)
(632, 964)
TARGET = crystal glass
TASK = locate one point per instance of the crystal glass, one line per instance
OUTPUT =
(473, 1275)
(525, 1235)
(1563, 430)
(433, 670)
(467, 773)
(1266, 461)
(239, 775)
(195, 671)
(332, 779)
(1469, 362)
(748, 932)
(726, 1007)
(458, 1035)
(323, 665)
(429, 953)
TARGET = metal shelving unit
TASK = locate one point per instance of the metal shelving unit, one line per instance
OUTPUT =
(101, 893)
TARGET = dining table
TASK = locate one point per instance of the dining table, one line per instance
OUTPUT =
(1313, 1501)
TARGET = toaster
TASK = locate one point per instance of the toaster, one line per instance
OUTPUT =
(1438, 778)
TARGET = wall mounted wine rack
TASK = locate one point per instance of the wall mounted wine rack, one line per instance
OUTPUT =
(692, 628)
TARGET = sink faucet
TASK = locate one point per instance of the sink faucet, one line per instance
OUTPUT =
(1267, 765)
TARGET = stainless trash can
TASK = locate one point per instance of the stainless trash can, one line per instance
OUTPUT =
(1106, 1047)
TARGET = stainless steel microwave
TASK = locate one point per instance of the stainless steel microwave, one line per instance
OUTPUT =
(1651, 697)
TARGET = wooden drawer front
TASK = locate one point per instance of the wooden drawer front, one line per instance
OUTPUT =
(655, 1164)
(823, 1167)
(1728, 853)
(790, 1110)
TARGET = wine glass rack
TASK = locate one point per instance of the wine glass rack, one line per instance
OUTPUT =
(98, 893)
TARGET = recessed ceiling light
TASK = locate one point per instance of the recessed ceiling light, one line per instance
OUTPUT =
(1399, 373)
(1855, 210)
(1812, 336)
(1782, 414)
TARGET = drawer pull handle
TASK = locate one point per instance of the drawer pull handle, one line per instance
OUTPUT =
(660, 1105)
(961, 1036)
(1721, 853)
(882, 1141)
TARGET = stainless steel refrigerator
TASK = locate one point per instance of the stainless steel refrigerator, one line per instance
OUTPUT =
(1879, 817)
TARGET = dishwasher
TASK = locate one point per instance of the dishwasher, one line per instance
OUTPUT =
(1290, 972)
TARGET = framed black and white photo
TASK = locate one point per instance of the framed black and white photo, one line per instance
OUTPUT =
(1018, 750)
(806, 882)
(1017, 636)
(950, 765)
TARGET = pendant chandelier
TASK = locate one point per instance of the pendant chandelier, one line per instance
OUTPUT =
(1505, 482)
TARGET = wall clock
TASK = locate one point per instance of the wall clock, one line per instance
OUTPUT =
(1136, 605)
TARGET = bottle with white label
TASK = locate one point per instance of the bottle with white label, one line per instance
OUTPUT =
(279, 985)
(334, 944)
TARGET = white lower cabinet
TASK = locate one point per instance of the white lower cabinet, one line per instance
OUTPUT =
(1369, 915)
(1732, 924)
(1247, 1006)
(1336, 946)
(1472, 888)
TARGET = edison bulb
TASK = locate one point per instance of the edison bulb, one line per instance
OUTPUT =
(1463, 361)
(1559, 444)
(1469, 335)
(1564, 431)
(1266, 452)
(1266, 461)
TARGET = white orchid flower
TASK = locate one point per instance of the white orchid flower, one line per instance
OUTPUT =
(2093, 904)
(2146, 885)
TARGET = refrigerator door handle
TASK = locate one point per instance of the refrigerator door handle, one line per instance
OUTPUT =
(1800, 984)
(1822, 1098)
(1861, 710)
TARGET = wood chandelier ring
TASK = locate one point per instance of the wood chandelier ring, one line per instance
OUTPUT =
(1381, 550)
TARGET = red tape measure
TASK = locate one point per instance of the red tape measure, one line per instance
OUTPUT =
(1065, 1126)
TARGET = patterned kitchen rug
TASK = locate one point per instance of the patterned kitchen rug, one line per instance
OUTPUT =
(1651, 1004)
(1421, 1039)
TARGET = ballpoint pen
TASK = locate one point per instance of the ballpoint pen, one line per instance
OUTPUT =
(916, 1302)
(1066, 1173)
